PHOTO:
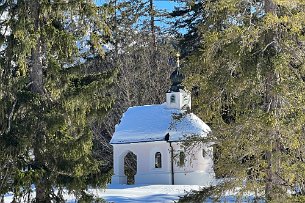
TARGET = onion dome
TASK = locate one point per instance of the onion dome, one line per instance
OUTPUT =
(177, 78)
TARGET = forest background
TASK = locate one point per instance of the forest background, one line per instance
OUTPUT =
(69, 69)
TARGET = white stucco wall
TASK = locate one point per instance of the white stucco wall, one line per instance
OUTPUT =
(196, 170)
(179, 99)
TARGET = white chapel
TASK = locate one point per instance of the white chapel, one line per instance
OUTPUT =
(155, 134)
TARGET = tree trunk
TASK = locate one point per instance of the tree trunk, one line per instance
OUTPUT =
(270, 102)
(36, 78)
(36, 67)
(153, 58)
(115, 29)
(269, 106)
(268, 185)
(152, 23)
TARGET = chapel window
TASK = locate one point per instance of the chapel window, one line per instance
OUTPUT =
(181, 159)
(172, 99)
(158, 160)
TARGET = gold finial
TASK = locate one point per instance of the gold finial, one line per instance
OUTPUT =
(178, 59)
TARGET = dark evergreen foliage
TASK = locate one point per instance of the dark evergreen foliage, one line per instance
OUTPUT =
(252, 95)
(186, 19)
(48, 98)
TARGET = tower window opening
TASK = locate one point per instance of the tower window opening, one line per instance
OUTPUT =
(204, 153)
(172, 99)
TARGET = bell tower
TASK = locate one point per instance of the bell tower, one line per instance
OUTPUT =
(177, 97)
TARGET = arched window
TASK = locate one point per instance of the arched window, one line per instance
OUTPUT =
(204, 153)
(172, 99)
(181, 159)
(158, 160)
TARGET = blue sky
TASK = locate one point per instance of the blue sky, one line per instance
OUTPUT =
(167, 5)
(160, 4)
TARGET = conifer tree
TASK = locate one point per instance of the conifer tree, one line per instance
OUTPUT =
(185, 21)
(251, 73)
(48, 99)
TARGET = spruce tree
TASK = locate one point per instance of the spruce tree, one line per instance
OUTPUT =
(250, 71)
(48, 98)
(185, 21)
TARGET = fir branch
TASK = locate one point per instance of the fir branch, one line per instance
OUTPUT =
(10, 117)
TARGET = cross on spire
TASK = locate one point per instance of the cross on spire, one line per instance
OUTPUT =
(177, 77)
(178, 59)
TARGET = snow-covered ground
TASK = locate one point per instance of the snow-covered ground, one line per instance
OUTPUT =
(157, 194)
(134, 193)
(143, 193)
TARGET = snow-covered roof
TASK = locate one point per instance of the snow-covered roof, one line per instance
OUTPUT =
(153, 122)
